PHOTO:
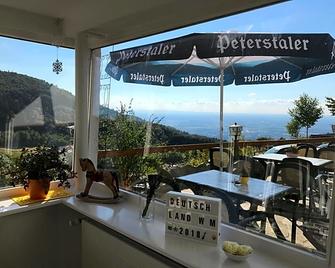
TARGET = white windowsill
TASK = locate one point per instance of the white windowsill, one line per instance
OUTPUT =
(123, 217)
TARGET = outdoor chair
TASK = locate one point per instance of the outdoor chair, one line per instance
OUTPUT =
(214, 159)
(328, 153)
(307, 150)
(301, 204)
(255, 169)
(252, 167)
(171, 175)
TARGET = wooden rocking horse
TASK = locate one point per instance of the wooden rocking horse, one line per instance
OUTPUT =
(109, 178)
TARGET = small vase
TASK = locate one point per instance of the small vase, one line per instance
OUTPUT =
(38, 189)
(146, 208)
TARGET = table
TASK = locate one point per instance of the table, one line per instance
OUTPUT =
(257, 190)
(316, 162)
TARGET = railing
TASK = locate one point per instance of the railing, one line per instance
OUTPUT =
(207, 146)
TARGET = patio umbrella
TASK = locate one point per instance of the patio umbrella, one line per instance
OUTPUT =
(218, 59)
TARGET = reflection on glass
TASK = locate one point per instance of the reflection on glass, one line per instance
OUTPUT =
(33, 111)
(174, 131)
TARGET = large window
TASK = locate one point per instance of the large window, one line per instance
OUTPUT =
(36, 103)
(150, 128)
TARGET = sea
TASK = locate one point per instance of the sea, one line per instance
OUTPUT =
(254, 125)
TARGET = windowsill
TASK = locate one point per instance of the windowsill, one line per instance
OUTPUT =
(123, 217)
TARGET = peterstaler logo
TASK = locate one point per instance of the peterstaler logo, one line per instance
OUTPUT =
(199, 79)
(159, 79)
(321, 68)
(277, 43)
(147, 51)
(285, 76)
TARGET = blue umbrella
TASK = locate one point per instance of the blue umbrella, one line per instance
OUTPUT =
(218, 59)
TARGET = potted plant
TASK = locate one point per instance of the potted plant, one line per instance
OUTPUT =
(35, 168)
(292, 151)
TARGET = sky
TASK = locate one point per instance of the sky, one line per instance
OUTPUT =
(298, 16)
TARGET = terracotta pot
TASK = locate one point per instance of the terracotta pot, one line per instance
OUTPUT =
(38, 189)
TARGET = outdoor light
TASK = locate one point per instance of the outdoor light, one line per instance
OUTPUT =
(235, 131)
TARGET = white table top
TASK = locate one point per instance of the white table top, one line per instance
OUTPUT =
(316, 162)
(257, 190)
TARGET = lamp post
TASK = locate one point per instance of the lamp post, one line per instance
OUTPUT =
(235, 131)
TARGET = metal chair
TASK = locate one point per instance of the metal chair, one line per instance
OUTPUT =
(252, 167)
(307, 150)
(301, 204)
(214, 159)
(328, 153)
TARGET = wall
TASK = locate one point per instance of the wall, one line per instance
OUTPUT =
(57, 236)
(102, 247)
(40, 238)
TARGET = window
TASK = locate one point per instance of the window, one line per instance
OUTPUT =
(37, 105)
(147, 128)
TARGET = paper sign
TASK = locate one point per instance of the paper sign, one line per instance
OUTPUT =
(193, 217)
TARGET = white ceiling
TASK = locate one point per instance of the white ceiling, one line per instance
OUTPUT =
(109, 21)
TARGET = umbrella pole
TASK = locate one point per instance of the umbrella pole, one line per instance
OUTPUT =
(221, 114)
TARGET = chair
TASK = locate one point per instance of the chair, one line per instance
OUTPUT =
(214, 158)
(307, 150)
(168, 181)
(301, 204)
(295, 172)
(328, 153)
(252, 167)
(255, 169)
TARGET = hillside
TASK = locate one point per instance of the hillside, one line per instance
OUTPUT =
(40, 113)
(172, 136)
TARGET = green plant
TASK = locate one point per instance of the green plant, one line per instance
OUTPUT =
(6, 164)
(330, 103)
(306, 111)
(293, 128)
(125, 132)
(292, 149)
(47, 163)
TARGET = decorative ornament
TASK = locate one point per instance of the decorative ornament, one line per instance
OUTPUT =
(57, 66)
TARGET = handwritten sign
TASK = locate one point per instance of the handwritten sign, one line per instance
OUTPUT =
(193, 217)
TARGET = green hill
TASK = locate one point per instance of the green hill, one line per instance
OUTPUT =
(40, 113)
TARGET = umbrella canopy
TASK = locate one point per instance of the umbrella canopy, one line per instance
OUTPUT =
(218, 59)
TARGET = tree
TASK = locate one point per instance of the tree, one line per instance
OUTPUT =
(122, 133)
(293, 128)
(330, 103)
(306, 111)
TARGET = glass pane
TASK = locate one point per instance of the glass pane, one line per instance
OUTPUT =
(37, 105)
(160, 113)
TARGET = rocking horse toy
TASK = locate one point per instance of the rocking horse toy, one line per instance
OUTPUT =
(109, 178)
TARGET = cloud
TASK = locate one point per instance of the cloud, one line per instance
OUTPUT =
(262, 106)
(252, 94)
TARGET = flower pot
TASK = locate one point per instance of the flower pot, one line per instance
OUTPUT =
(290, 154)
(38, 189)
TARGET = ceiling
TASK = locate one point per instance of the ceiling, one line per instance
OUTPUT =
(109, 21)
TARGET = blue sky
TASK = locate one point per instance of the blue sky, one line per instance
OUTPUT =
(300, 16)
